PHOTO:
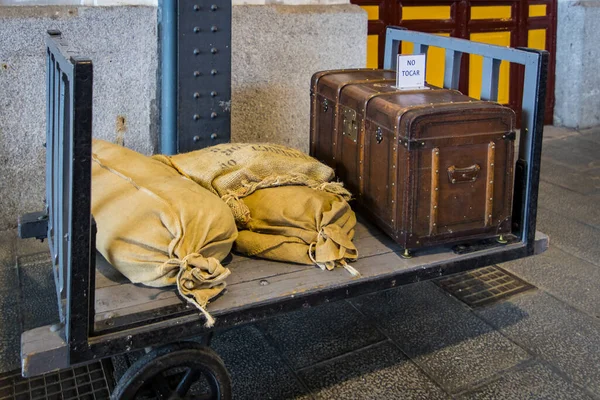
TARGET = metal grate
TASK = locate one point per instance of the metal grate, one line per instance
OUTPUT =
(89, 382)
(483, 286)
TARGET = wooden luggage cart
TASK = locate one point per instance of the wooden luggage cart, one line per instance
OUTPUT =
(103, 315)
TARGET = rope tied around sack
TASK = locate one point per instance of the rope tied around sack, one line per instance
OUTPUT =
(332, 248)
(199, 279)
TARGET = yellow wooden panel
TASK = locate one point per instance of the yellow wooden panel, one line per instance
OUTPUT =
(426, 12)
(536, 39)
(434, 68)
(476, 65)
(537, 10)
(372, 12)
(491, 12)
(373, 51)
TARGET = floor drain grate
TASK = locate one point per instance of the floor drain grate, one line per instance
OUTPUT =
(483, 286)
(92, 381)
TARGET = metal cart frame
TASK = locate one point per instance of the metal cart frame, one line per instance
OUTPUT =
(70, 229)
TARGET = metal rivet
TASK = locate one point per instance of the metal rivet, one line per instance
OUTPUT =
(436, 188)
(417, 242)
(490, 215)
(393, 184)
(437, 171)
(434, 207)
(213, 93)
(213, 50)
(196, 117)
(491, 181)
(422, 143)
(334, 143)
(196, 8)
(196, 138)
(393, 201)
(434, 224)
(492, 164)
(196, 95)
(394, 166)
(473, 178)
(491, 199)
(196, 52)
(213, 115)
(213, 136)
(437, 153)
(213, 71)
(392, 220)
(213, 28)
(213, 7)
(196, 29)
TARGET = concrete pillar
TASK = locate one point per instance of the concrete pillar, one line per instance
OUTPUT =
(577, 67)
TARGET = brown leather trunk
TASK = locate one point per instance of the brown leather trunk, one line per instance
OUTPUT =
(428, 166)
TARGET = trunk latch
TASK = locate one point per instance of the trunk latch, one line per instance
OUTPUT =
(349, 125)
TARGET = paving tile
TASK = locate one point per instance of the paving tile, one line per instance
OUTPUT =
(569, 204)
(574, 152)
(441, 335)
(36, 274)
(574, 237)
(557, 132)
(565, 276)
(256, 370)
(316, 334)
(39, 309)
(534, 382)
(10, 333)
(582, 182)
(591, 134)
(32, 246)
(553, 330)
(377, 372)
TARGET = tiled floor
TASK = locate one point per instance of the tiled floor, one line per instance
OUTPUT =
(417, 341)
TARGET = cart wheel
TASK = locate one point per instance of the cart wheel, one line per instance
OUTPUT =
(184, 370)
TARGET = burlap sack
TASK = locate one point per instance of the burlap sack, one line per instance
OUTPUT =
(301, 225)
(236, 170)
(157, 227)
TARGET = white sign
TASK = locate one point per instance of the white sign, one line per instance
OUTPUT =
(411, 71)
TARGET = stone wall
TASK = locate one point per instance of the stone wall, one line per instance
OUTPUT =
(275, 50)
(577, 67)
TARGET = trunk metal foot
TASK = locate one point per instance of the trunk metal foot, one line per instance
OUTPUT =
(406, 254)
(501, 239)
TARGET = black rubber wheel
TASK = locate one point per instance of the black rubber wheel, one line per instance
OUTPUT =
(183, 370)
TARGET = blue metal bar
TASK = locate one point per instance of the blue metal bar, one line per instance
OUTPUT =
(168, 79)
(420, 48)
(489, 79)
(397, 35)
(452, 69)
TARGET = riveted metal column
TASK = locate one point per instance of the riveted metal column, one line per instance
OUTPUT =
(203, 73)
(168, 81)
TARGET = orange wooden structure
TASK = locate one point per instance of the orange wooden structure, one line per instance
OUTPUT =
(525, 23)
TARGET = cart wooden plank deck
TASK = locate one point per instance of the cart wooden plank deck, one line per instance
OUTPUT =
(256, 282)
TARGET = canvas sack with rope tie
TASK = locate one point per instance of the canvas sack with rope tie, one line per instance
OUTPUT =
(301, 225)
(159, 228)
(236, 170)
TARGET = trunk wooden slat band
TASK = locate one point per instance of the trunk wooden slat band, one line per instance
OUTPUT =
(489, 188)
(435, 193)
